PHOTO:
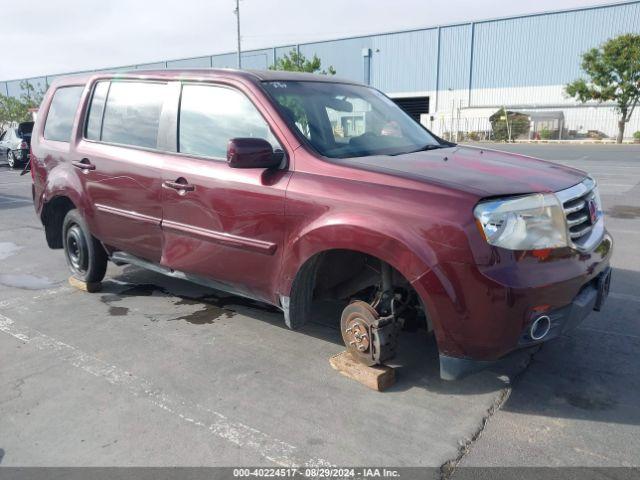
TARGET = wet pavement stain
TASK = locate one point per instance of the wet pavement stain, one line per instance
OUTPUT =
(25, 282)
(141, 290)
(589, 400)
(8, 249)
(211, 311)
(118, 311)
(624, 211)
(214, 307)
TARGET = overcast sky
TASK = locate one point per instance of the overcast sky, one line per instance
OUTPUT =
(58, 36)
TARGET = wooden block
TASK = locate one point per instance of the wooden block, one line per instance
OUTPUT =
(379, 377)
(86, 287)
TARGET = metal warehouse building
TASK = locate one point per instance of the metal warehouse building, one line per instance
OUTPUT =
(453, 77)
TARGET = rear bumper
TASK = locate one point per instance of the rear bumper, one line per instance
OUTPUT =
(562, 320)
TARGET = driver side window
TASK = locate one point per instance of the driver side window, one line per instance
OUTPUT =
(212, 115)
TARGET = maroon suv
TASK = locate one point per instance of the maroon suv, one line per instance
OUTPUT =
(296, 189)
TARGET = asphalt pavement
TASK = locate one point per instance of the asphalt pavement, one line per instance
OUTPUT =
(155, 371)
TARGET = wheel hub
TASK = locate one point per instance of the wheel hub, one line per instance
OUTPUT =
(356, 334)
(357, 322)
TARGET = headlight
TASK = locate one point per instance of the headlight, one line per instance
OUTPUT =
(534, 222)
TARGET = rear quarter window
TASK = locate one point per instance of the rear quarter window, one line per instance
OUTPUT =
(62, 112)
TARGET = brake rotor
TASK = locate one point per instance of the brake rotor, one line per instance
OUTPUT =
(355, 324)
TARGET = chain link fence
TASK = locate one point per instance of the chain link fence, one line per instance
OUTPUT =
(579, 124)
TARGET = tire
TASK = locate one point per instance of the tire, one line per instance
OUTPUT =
(85, 255)
(11, 159)
(302, 295)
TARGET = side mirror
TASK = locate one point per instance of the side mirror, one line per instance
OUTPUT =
(251, 153)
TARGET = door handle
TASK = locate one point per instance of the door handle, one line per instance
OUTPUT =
(180, 186)
(84, 164)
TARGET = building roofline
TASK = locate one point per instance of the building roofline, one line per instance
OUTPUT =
(393, 32)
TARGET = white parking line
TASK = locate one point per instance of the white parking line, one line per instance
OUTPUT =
(607, 332)
(603, 174)
(625, 296)
(603, 184)
(274, 450)
(617, 230)
(596, 167)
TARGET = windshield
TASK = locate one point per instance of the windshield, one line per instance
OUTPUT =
(343, 121)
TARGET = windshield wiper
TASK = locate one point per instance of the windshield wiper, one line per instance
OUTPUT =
(424, 148)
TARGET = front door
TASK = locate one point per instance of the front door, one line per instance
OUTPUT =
(218, 222)
(120, 168)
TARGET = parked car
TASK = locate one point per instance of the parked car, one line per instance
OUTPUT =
(295, 189)
(15, 142)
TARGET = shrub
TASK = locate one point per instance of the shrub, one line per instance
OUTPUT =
(545, 134)
(636, 137)
(518, 123)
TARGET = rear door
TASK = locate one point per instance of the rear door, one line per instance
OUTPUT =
(225, 224)
(121, 167)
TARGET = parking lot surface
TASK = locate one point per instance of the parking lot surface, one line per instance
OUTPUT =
(155, 371)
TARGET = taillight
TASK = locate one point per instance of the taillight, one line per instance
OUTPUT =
(24, 145)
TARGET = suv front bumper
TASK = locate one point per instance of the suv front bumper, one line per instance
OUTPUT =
(562, 320)
(481, 313)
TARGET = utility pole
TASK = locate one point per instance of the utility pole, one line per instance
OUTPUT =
(237, 12)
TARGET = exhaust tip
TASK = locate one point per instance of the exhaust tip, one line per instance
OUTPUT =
(540, 327)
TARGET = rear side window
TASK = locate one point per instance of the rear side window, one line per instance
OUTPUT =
(132, 113)
(210, 116)
(62, 113)
(94, 122)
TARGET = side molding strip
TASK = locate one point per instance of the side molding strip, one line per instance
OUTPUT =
(128, 214)
(259, 246)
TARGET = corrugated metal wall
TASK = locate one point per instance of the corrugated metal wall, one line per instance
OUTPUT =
(505, 61)
(544, 49)
(404, 62)
(346, 57)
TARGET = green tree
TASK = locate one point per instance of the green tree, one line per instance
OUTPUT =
(12, 110)
(614, 76)
(16, 110)
(295, 61)
(31, 95)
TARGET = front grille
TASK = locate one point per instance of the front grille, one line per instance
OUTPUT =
(576, 204)
(577, 213)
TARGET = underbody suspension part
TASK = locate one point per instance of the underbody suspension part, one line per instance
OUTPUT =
(370, 331)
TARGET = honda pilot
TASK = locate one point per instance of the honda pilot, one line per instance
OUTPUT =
(295, 189)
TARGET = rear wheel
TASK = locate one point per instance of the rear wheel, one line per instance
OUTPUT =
(85, 255)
